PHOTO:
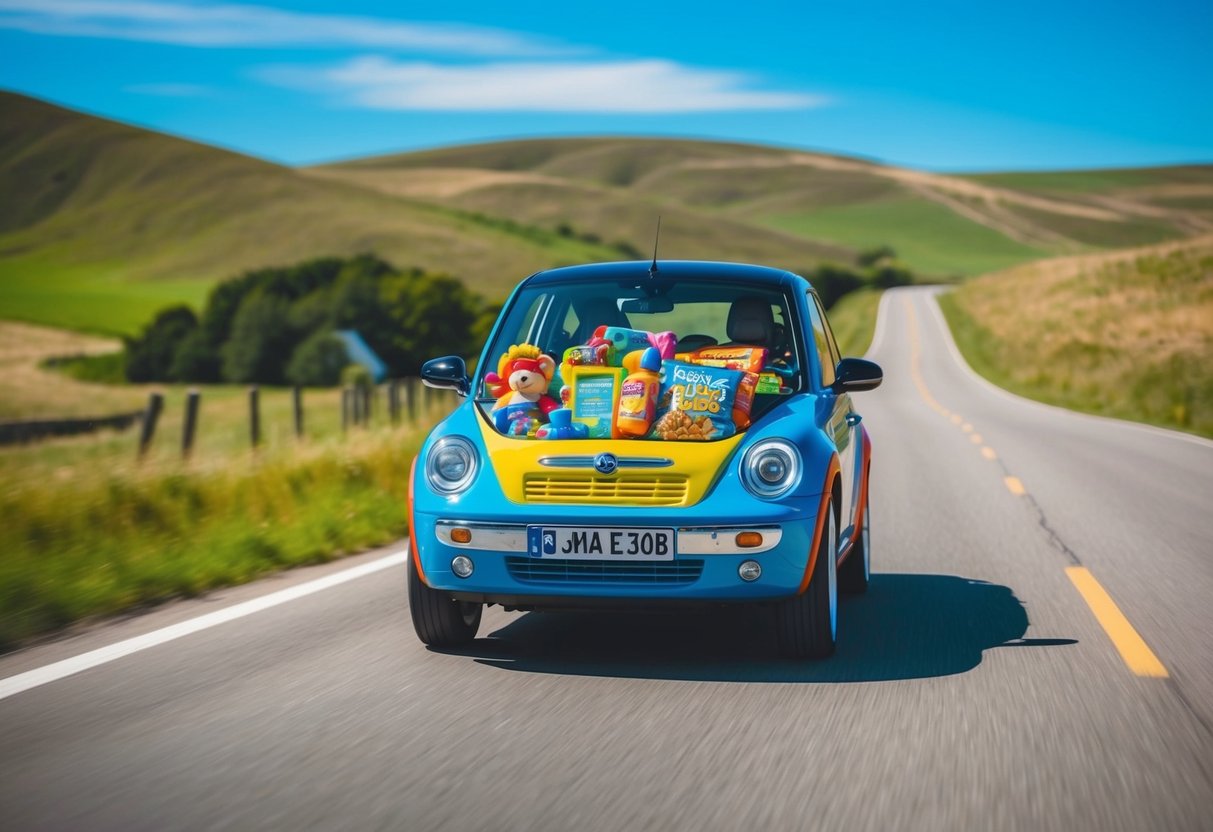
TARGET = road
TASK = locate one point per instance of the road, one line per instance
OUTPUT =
(975, 686)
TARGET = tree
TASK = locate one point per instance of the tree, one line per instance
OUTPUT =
(431, 314)
(261, 342)
(832, 281)
(871, 256)
(318, 361)
(150, 356)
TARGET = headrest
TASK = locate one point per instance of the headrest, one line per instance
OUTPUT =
(750, 321)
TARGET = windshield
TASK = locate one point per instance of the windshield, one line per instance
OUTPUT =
(738, 339)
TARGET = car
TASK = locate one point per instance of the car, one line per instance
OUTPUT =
(534, 493)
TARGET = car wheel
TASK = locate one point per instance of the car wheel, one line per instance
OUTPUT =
(855, 571)
(807, 624)
(440, 620)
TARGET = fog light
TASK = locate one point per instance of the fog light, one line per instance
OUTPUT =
(749, 570)
(462, 566)
(461, 535)
(748, 540)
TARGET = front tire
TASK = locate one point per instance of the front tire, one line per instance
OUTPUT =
(856, 570)
(807, 624)
(440, 620)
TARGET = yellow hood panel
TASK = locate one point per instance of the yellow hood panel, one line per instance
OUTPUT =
(525, 480)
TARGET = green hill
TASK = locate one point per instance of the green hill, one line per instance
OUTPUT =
(938, 224)
(103, 223)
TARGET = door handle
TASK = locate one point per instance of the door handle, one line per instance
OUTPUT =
(854, 418)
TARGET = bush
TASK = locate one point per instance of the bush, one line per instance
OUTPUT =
(262, 339)
(318, 361)
(149, 357)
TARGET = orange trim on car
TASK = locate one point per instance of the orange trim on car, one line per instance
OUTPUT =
(412, 527)
(826, 493)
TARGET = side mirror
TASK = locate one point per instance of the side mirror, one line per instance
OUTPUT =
(447, 373)
(853, 375)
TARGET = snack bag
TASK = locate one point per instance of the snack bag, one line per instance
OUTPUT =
(696, 402)
(744, 400)
(599, 355)
(750, 359)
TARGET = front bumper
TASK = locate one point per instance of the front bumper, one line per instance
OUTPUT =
(704, 567)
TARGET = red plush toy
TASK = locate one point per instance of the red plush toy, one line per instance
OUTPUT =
(521, 384)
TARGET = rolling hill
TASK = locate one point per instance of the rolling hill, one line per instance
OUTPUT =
(103, 223)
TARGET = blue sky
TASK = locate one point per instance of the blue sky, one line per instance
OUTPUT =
(941, 86)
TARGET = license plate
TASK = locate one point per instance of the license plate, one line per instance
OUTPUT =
(598, 543)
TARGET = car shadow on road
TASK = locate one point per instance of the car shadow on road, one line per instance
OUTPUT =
(907, 626)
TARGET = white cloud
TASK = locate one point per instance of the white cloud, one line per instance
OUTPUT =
(256, 26)
(622, 86)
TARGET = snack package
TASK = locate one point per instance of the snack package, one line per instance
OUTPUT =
(750, 359)
(599, 355)
(744, 400)
(696, 402)
(768, 383)
(593, 395)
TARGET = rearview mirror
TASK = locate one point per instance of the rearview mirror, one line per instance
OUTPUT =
(447, 373)
(854, 375)
(647, 306)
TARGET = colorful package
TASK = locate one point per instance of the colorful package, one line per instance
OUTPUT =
(627, 340)
(744, 400)
(593, 395)
(768, 383)
(696, 402)
(750, 359)
(600, 355)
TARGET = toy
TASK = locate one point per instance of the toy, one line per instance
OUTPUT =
(520, 386)
(638, 396)
(626, 340)
(599, 355)
(562, 426)
(592, 395)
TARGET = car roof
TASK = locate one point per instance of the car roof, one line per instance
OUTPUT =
(669, 269)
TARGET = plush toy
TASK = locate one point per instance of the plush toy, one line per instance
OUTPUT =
(521, 386)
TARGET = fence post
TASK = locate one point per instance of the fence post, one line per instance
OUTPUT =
(254, 415)
(393, 401)
(345, 409)
(191, 423)
(410, 397)
(155, 403)
(297, 395)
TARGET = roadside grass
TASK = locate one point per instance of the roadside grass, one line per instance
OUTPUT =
(929, 237)
(119, 537)
(1127, 335)
(853, 320)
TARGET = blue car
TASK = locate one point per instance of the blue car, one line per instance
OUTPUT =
(644, 434)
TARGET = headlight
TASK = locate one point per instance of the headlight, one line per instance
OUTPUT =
(451, 465)
(771, 468)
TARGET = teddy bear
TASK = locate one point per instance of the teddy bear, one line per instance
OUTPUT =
(520, 386)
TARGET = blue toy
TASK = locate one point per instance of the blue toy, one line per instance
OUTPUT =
(562, 426)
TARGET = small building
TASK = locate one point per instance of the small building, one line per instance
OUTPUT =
(360, 352)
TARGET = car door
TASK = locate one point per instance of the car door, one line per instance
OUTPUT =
(841, 417)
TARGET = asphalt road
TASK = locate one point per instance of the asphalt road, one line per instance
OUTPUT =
(974, 686)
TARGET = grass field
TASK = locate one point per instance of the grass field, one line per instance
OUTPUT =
(927, 236)
(1127, 335)
(853, 320)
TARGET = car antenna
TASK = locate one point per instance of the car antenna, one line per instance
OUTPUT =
(656, 240)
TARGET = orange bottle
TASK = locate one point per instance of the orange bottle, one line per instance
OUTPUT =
(638, 396)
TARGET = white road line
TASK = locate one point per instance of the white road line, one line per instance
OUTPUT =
(882, 318)
(933, 303)
(103, 655)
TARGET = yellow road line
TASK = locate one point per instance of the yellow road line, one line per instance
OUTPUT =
(975, 438)
(966, 427)
(1015, 486)
(915, 373)
(988, 453)
(956, 419)
(1133, 649)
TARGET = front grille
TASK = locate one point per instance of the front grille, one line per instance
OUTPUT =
(620, 490)
(554, 571)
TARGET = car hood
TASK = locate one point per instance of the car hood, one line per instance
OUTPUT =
(650, 473)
